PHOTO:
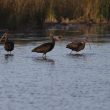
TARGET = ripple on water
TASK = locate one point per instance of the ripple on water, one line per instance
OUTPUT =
(63, 81)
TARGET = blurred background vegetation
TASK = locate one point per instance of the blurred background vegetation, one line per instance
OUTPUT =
(31, 14)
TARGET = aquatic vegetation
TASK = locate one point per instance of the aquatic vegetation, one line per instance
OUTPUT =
(16, 14)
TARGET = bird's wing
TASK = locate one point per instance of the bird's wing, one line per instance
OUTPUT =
(8, 45)
(72, 45)
(42, 48)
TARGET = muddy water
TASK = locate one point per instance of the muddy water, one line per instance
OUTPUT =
(63, 81)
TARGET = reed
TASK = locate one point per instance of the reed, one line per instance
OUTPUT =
(17, 14)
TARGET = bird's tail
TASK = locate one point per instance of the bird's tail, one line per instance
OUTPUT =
(33, 50)
(67, 46)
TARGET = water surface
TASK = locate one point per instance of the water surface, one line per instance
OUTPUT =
(63, 81)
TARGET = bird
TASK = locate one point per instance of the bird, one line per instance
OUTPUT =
(46, 47)
(8, 44)
(77, 45)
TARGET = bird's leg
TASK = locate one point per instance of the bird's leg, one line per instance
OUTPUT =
(7, 52)
(71, 52)
(44, 56)
(77, 53)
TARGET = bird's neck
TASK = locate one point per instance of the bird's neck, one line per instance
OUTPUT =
(53, 41)
(6, 39)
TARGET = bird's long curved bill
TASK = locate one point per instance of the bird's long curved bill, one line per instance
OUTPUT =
(2, 38)
(89, 46)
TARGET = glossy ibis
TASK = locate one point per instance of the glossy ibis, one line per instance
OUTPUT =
(77, 45)
(8, 44)
(46, 47)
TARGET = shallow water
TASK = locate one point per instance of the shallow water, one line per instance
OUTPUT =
(63, 81)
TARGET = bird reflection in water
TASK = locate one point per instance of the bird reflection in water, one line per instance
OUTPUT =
(44, 60)
(78, 56)
(8, 57)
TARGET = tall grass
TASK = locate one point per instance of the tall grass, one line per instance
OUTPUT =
(17, 14)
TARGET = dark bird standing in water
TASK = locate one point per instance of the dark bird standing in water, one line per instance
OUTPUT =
(46, 47)
(8, 44)
(77, 45)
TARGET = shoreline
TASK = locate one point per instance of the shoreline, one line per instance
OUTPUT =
(50, 24)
